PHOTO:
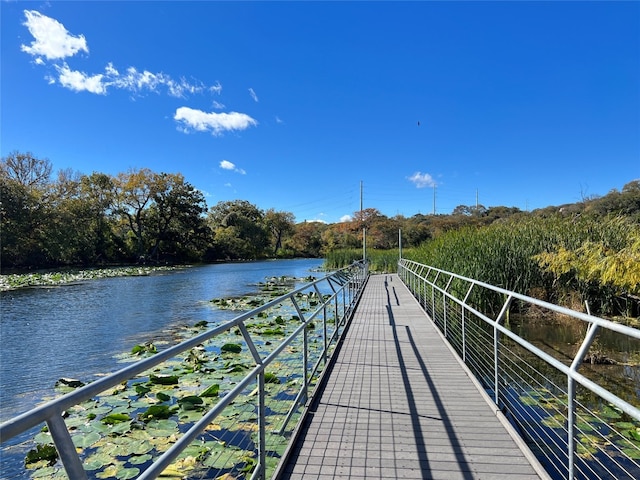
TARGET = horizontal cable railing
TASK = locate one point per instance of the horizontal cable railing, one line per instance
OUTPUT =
(222, 402)
(577, 428)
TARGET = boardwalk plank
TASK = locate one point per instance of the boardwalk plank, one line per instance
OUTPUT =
(398, 404)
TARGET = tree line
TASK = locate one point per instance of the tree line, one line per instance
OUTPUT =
(76, 219)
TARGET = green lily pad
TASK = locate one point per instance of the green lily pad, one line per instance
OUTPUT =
(114, 418)
(97, 461)
(190, 402)
(127, 473)
(139, 459)
(46, 453)
(141, 389)
(164, 379)
(231, 348)
(156, 412)
(86, 439)
(211, 391)
(163, 397)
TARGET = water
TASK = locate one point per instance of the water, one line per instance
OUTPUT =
(77, 330)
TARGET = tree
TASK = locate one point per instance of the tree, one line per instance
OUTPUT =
(239, 230)
(98, 191)
(279, 224)
(135, 190)
(24, 212)
(26, 169)
(306, 240)
(176, 217)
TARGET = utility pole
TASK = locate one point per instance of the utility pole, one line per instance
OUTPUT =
(364, 229)
(434, 199)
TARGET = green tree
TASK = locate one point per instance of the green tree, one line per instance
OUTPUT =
(238, 229)
(24, 212)
(280, 224)
(134, 193)
(176, 222)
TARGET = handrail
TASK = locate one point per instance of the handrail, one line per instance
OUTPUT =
(527, 393)
(343, 288)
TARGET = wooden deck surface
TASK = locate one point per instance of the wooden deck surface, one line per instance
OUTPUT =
(397, 403)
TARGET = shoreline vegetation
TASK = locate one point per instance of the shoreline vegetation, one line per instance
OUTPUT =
(55, 278)
(572, 262)
(585, 253)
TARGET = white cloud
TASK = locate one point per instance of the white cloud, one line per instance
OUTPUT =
(53, 42)
(51, 38)
(227, 165)
(346, 218)
(79, 82)
(136, 81)
(132, 80)
(278, 120)
(216, 123)
(422, 180)
(253, 95)
(217, 88)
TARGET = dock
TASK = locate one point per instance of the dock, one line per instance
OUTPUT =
(398, 403)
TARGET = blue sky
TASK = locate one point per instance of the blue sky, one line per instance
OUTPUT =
(295, 105)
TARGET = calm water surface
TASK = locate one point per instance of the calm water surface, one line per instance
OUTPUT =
(77, 330)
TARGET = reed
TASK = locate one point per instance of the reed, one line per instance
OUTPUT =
(507, 254)
(380, 261)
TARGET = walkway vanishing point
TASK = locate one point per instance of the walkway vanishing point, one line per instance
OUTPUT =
(397, 403)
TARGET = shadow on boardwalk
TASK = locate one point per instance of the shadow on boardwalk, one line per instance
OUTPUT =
(398, 404)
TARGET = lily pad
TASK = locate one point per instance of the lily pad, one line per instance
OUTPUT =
(86, 440)
(164, 379)
(46, 453)
(127, 473)
(231, 348)
(139, 459)
(211, 391)
(114, 418)
(156, 412)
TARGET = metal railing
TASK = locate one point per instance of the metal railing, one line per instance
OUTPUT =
(309, 321)
(576, 427)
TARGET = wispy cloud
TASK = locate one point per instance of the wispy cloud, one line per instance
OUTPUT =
(191, 119)
(253, 95)
(53, 42)
(421, 180)
(227, 165)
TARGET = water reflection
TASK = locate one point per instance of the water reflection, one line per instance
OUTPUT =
(616, 357)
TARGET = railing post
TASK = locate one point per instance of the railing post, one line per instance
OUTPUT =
(262, 427)
(571, 398)
(496, 349)
(65, 447)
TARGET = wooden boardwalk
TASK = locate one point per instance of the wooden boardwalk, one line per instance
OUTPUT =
(398, 404)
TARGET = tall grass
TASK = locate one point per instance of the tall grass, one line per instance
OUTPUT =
(504, 253)
(508, 254)
(380, 261)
